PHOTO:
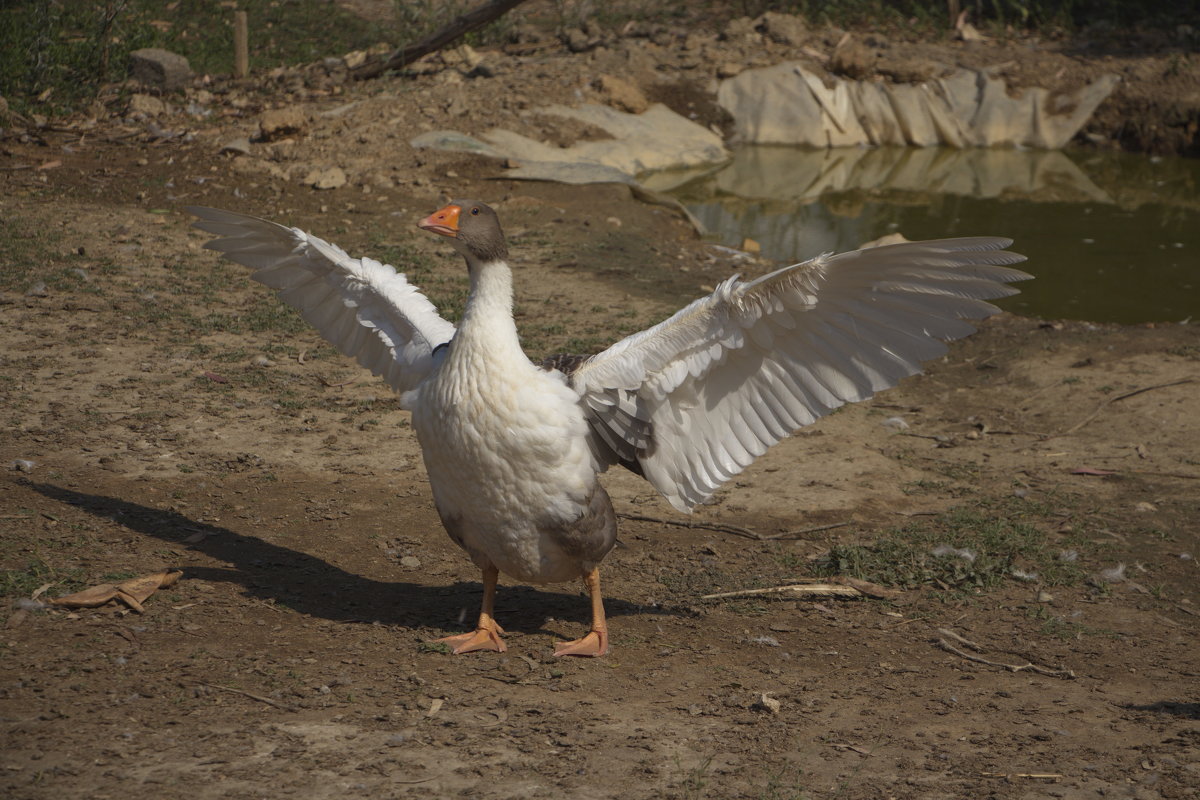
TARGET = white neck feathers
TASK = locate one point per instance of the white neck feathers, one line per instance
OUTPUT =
(487, 321)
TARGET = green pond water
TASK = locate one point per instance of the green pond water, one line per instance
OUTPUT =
(1110, 237)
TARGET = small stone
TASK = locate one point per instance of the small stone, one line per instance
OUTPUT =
(578, 41)
(740, 28)
(239, 146)
(22, 465)
(750, 246)
(354, 59)
(852, 59)
(328, 178)
(783, 28)
(1045, 597)
(1144, 508)
(729, 69)
(153, 66)
(280, 123)
(622, 94)
(145, 105)
(37, 289)
(767, 703)
(410, 562)
(464, 57)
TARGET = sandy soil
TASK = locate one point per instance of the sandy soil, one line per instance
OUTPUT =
(177, 417)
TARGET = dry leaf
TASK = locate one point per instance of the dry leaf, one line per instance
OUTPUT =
(132, 592)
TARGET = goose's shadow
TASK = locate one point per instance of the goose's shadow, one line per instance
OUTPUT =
(315, 587)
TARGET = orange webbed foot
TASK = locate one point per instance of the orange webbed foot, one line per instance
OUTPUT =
(595, 644)
(478, 639)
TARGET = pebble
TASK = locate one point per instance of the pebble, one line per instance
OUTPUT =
(410, 562)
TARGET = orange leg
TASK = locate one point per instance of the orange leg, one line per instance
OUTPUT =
(486, 635)
(596, 641)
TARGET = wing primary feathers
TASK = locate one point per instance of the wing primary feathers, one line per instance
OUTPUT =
(824, 332)
(365, 308)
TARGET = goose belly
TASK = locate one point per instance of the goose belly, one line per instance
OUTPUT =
(509, 468)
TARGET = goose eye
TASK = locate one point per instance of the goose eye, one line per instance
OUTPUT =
(475, 211)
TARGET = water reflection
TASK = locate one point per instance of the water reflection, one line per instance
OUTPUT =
(1110, 237)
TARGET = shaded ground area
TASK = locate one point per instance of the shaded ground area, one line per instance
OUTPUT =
(176, 416)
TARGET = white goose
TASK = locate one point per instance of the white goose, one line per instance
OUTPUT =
(513, 448)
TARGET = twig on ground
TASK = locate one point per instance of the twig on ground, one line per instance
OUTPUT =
(793, 590)
(1039, 775)
(838, 587)
(1050, 671)
(961, 640)
(251, 695)
(722, 527)
(1116, 399)
(330, 384)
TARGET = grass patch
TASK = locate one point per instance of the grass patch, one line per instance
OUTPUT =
(965, 549)
(37, 573)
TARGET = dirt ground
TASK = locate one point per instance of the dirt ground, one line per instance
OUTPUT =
(160, 410)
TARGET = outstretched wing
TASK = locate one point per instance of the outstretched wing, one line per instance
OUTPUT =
(699, 396)
(364, 308)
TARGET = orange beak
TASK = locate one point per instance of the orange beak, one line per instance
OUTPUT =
(443, 221)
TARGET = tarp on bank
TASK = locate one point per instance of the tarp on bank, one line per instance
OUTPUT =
(786, 104)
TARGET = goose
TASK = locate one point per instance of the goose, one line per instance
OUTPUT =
(513, 447)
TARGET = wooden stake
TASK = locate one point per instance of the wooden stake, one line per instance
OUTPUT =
(241, 45)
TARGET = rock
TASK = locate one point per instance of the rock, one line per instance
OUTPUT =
(153, 66)
(907, 70)
(750, 246)
(967, 32)
(145, 105)
(622, 94)
(740, 28)
(239, 146)
(729, 69)
(463, 57)
(327, 178)
(354, 59)
(766, 702)
(281, 123)
(577, 41)
(783, 28)
(852, 59)
(410, 562)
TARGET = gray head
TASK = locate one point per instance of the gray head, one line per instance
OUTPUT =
(472, 227)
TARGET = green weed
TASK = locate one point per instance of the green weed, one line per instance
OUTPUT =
(965, 549)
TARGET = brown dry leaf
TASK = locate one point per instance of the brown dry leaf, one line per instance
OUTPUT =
(132, 592)
(88, 598)
(141, 588)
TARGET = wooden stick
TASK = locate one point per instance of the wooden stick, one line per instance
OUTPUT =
(251, 695)
(241, 44)
(1054, 673)
(795, 589)
(460, 26)
(1118, 398)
